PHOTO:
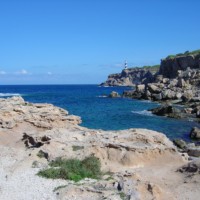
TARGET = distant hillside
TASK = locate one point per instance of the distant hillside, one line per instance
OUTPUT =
(132, 76)
(168, 68)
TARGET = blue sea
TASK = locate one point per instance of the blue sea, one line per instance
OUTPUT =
(99, 112)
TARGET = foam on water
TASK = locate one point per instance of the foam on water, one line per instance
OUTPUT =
(9, 94)
(143, 112)
(102, 96)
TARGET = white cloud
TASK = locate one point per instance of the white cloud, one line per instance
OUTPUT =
(22, 72)
(2, 73)
(49, 73)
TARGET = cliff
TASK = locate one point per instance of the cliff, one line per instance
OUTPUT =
(140, 164)
(172, 64)
(131, 76)
(178, 81)
(170, 67)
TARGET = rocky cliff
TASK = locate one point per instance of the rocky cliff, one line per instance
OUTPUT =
(131, 76)
(170, 66)
(178, 81)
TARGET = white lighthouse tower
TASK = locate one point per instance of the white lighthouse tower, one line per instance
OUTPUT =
(125, 64)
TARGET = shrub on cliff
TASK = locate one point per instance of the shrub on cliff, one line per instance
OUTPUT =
(73, 169)
(186, 53)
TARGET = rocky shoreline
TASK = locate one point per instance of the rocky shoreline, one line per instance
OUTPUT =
(137, 163)
(176, 85)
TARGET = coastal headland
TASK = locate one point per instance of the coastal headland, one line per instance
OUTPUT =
(175, 81)
(135, 163)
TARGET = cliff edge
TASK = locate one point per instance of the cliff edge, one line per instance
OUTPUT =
(131, 76)
(172, 64)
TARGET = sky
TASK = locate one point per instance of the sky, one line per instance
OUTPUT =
(83, 41)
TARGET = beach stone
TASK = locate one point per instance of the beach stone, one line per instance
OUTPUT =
(153, 88)
(168, 94)
(140, 88)
(195, 151)
(195, 133)
(187, 95)
(165, 80)
(114, 94)
(180, 143)
(173, 83)
(157, 97)
(159, 78)
(181, 83)
(167, 110)
(178, 95)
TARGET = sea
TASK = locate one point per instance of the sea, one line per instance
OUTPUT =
(97, 111)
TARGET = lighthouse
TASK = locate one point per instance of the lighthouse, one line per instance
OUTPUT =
(125, 65)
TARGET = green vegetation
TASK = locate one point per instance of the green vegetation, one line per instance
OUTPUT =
(170, 57)
(122, 195)
(73, 169)
(151, 68)
(186, 53)
(76, 148)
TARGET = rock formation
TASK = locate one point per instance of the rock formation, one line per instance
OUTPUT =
(130, 77)
(142, 164)
(178, 81)
(170, 66)
(114, 94)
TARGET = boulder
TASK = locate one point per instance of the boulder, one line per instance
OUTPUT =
(180, 143)
(128, 93)
(181, 83)
(159, 78)
(161, 111)
(168, 94)
(198, 114)
(173, 83)
(178, 95)
(114, 94)
(157, 97)
(165, 80)
(153, 88)
(187, 95)
(195, 133)
(195, 151)
(188, 110)
(168, 111)
(140, 88)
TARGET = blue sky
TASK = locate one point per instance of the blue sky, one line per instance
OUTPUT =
(82, 41)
